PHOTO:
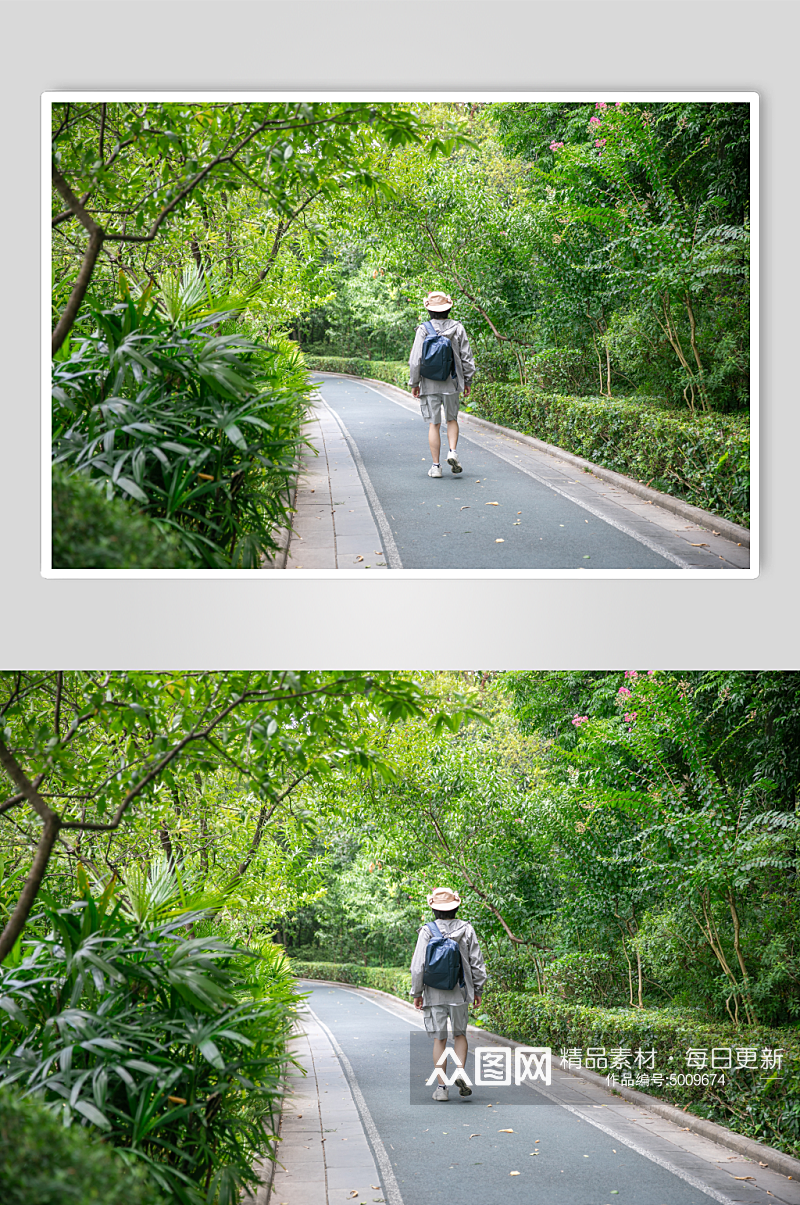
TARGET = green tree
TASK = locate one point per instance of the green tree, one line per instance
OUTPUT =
(85, 750)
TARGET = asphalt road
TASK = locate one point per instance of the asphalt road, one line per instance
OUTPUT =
(459, 1151)
(490, 516)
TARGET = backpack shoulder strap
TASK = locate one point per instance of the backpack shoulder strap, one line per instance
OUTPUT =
(429, 327)
(432, 925)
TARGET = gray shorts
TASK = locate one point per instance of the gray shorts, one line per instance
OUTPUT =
(432, 405)
(436, 1019)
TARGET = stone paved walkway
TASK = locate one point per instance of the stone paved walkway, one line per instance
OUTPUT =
(325, 1158)
(333, 526)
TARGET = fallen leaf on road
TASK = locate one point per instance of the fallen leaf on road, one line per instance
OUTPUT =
(491, 504)
(464, 508)
(359, 558)
(699, 545)
(744, 1177)
(374, 1185)
(474, 1135)
(505, 1131)
(354, 1193)
(377, 552)
(513, 1173)
(499, 541)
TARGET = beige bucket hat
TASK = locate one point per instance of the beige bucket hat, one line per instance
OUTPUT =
(444, 899)
(437, 302)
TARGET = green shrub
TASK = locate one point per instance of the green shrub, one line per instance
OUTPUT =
(702, 458)
(44, 1163)
(200, 429)
(153, 1037)
(764, 1105)
(91, 531)
(586, 979)
(395, 372)
(394, 980)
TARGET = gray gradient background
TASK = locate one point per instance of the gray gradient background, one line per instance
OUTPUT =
(280, 621)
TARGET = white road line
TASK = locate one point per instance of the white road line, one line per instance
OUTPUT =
(390, 1185)
(389, 546)
(640, 1150)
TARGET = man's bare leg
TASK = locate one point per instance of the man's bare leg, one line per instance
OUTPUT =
(434, 440)
(452, 434)
(459, 1046)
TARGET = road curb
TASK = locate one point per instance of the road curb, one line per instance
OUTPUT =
(695, 514)
(778, 1161)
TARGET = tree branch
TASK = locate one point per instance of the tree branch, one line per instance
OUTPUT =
(17, 919)
(96, 237)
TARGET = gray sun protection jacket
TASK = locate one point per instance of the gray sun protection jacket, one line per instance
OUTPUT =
(462, 355)
(471, 961)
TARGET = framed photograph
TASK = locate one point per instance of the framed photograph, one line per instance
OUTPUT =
(422, 335)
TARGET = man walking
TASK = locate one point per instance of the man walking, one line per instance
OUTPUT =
(441, 1004)
(438, 376)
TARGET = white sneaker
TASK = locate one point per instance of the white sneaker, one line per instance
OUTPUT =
(440, 1093)
(436, 471)
(454, 462)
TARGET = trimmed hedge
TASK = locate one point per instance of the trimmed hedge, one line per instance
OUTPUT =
(704, 459)
(395, 980)
(44, 1163)
(764, 1105)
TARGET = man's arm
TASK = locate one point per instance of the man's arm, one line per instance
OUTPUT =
(467, 362)
(415, 360)
(418, 966)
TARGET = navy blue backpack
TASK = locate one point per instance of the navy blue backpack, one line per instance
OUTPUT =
(443, 967)
(437, 362)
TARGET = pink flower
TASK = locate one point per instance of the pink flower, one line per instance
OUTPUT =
(629, 717)
(579, 719)
(619, 104)
(595, 121)
(555, 146)
(600, 104)
(651, 673)
(631, 673)
(599, 142)
(623, 690)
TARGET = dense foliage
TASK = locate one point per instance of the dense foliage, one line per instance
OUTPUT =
(91, 531)
(592, 249)
(589, 247)
(152, 837)
(137, 1030)
(186, 238)
(200, 429)
(44, 1163)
